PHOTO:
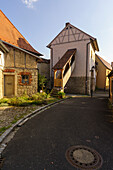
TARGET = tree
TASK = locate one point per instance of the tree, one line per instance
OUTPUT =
(42, 81)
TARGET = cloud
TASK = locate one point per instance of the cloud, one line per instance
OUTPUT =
(29, 3)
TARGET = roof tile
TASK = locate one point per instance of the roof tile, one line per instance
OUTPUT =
(10, 34)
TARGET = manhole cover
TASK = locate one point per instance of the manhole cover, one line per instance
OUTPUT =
(84, 157)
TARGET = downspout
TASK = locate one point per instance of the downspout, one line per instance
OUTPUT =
(86, 66)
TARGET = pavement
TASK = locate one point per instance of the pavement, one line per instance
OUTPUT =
(41, 143)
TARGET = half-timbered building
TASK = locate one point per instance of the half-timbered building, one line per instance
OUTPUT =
(18, 61)
(72, 63)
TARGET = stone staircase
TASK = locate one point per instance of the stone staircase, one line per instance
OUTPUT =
(54, 92)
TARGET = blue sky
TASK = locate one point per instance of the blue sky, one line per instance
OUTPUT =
(40, 21)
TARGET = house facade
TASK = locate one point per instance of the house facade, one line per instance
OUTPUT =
(103, 69)
(110, 76)
(76, 50)
(18, 62)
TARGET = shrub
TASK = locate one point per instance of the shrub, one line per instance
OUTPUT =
(17, 101)
(43, 95)
(4, 100)
(42, 81)
(48, 96)
(4, 104)
(61, 95)
(39, 96)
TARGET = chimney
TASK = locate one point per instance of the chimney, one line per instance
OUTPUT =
(112, 65)
(67, 23)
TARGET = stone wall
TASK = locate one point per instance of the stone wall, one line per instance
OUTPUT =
(76, 85)
(19, 63)
(31, 88)
(44, 69)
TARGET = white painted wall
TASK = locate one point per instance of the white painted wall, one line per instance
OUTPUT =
(1, 75)
(1, 59)
(80, 56)
(92, 61)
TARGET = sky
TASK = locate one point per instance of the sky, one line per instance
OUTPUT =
(39, 21)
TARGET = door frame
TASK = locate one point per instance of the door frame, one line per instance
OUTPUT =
(15, 82)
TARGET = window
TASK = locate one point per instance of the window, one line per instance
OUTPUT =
(72, 59)
(66, 69)
(25, 79)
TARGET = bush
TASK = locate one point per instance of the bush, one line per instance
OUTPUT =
(4, 100)
(39, 96)
(42, 82)
(25, 97)
(61, 95)
(4, 104)
(17, 101)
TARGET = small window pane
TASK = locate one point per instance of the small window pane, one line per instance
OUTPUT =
(25, 79)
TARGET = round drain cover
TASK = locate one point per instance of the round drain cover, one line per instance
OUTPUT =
(84, 157)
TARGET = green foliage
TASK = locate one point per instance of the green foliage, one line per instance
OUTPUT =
(42, 81)
(4, 104)
(24, 100)
(4, 100)
(61, 95)
(39, 96)
(48, 96)
(18, 101)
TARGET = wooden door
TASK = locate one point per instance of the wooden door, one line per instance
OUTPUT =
(8, 85)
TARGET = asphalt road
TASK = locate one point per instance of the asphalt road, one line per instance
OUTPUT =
(41, 143)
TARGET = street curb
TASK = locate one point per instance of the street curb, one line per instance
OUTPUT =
(8, 131)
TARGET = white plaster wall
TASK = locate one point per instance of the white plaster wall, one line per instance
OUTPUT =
(91, 61)
(1, 59)
(1, 75)
(1, 84)
(80, 57)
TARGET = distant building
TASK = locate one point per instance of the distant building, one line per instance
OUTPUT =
(18, 61)
(72, 63)
(44, 69)
(110, 76)
(103, 69)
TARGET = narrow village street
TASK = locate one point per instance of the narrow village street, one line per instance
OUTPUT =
(42, 142)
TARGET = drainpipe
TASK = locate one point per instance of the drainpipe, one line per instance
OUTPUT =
(86, 66)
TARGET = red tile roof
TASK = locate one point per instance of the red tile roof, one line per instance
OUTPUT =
(11, 35)
(106, 64)
(43, 60)
(61, 63)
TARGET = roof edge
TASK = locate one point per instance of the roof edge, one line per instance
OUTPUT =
(49, 45)
(63, 56)
(4, 48)
(21, 49)
(103, 63)
(21, 35)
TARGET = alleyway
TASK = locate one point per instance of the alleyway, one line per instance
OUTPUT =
(41, 143)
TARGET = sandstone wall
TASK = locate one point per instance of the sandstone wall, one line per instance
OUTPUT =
(19, 63)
